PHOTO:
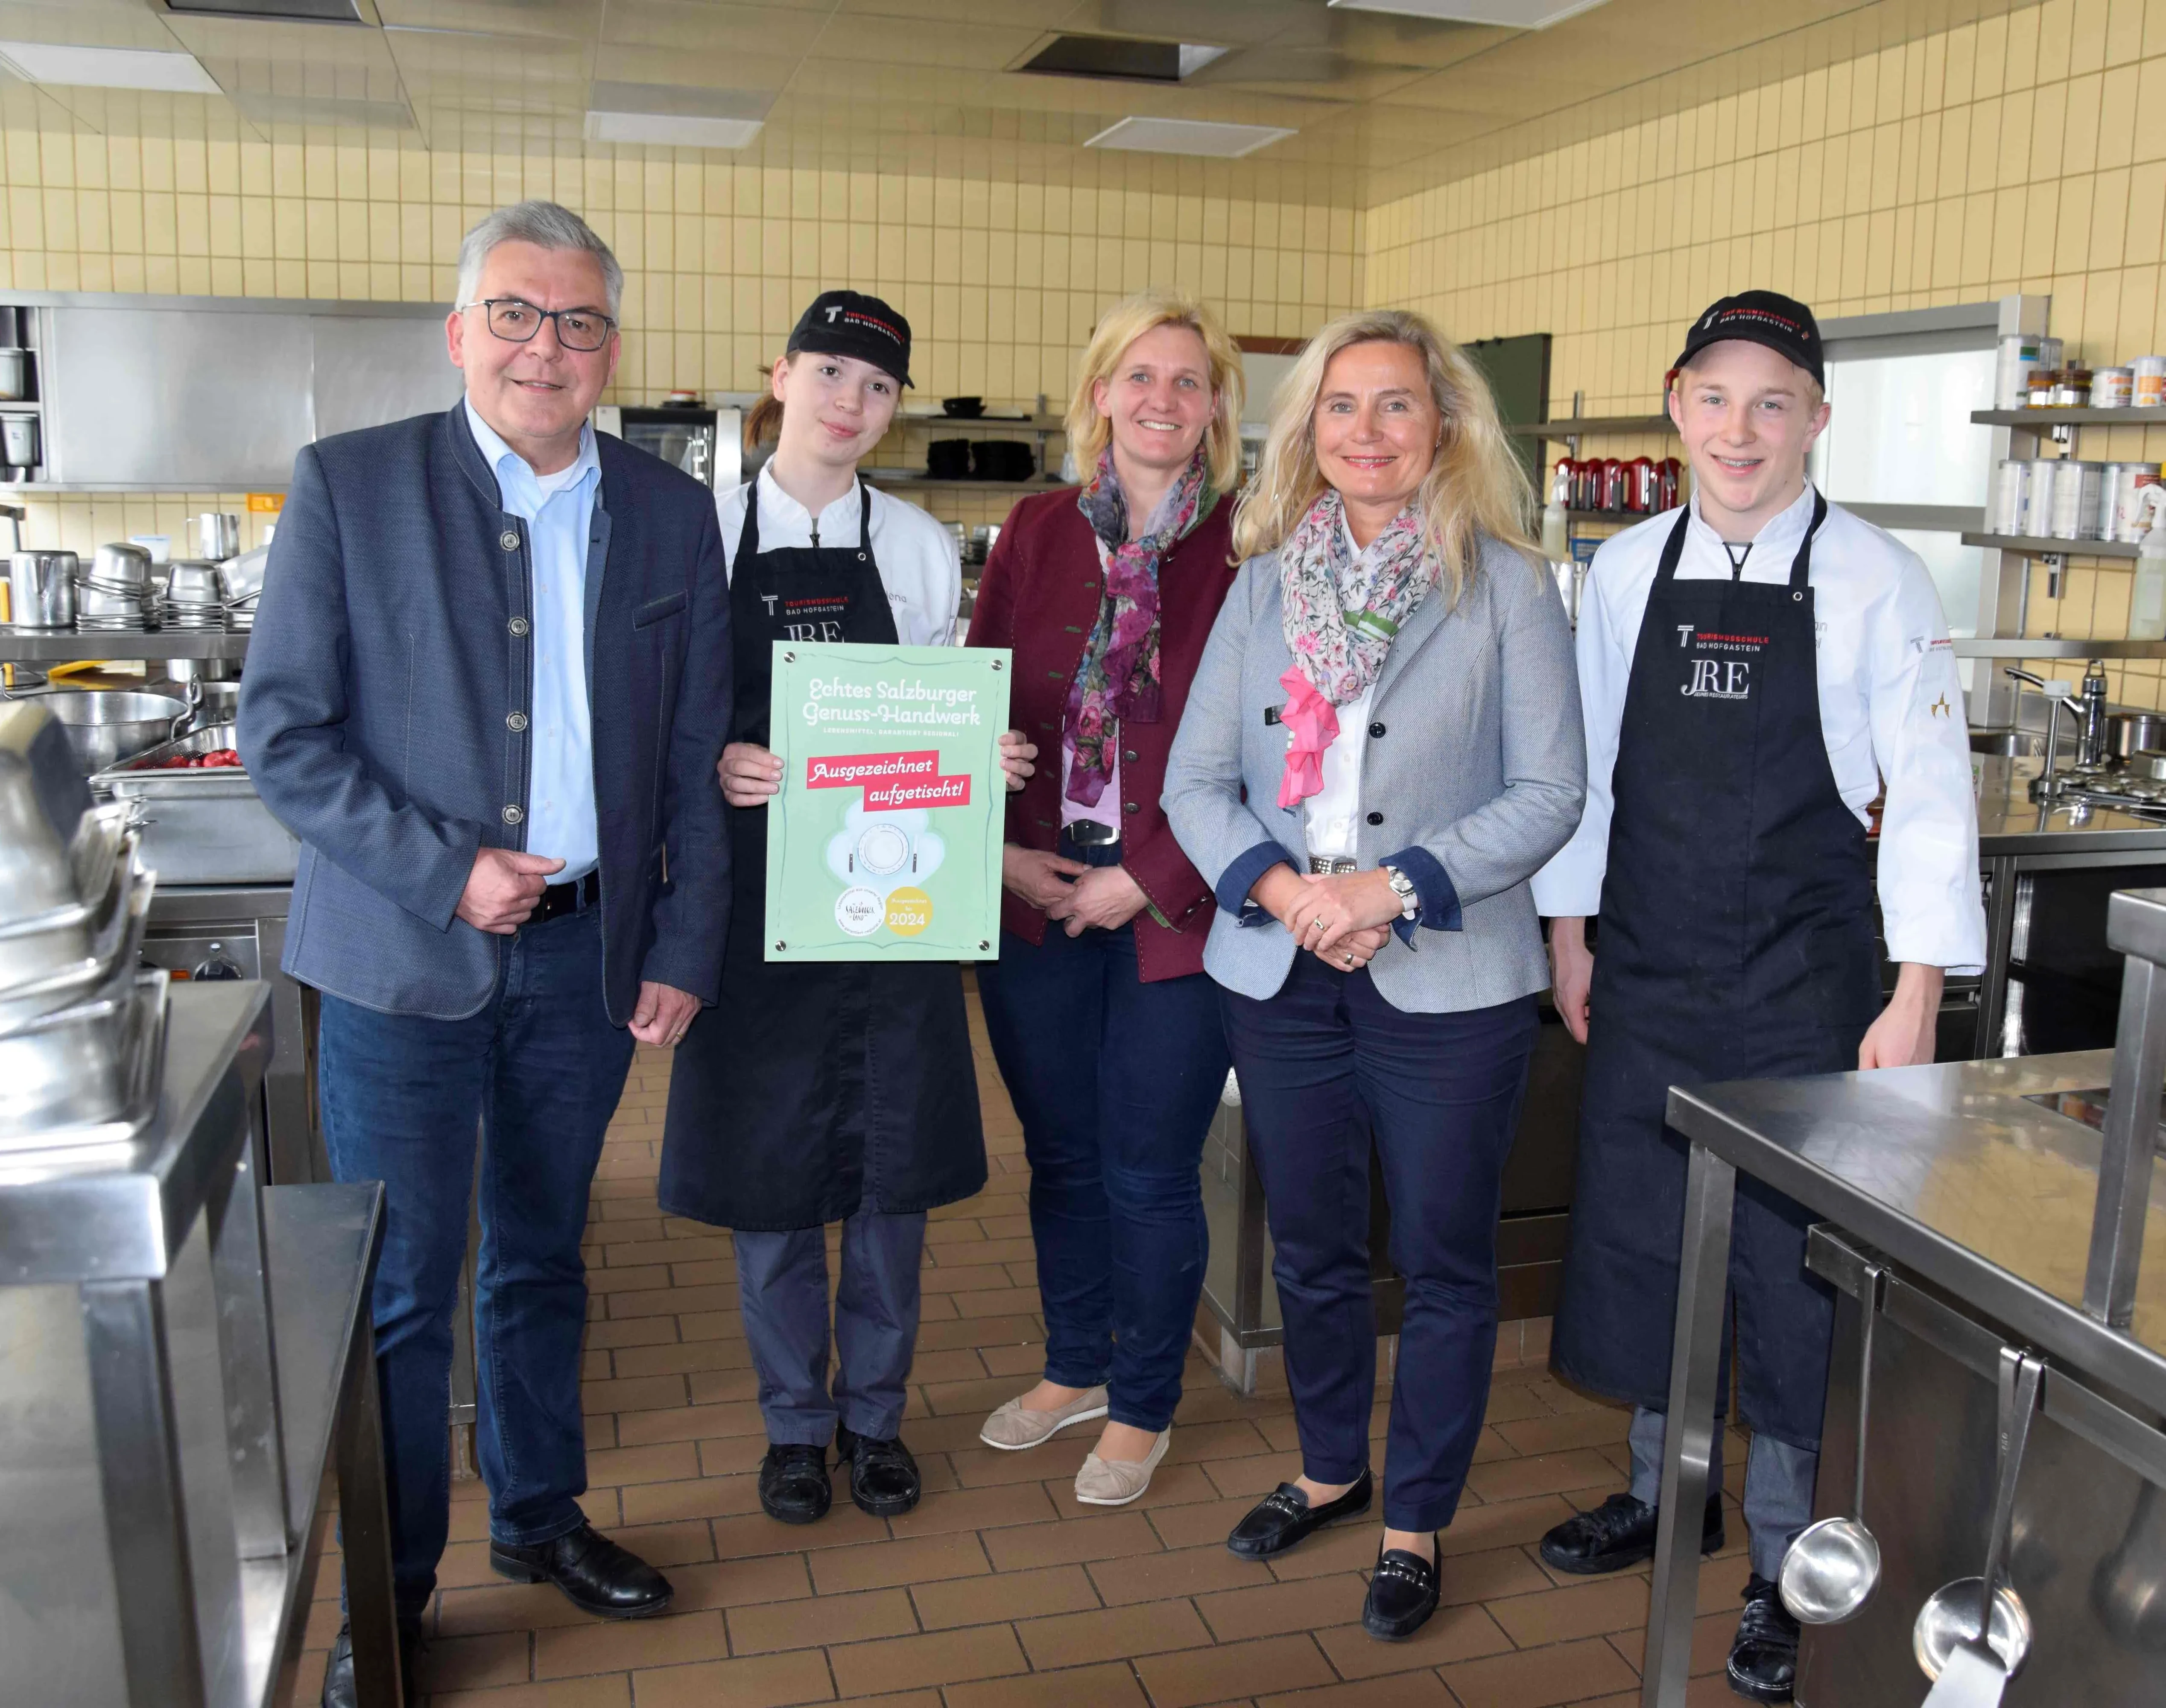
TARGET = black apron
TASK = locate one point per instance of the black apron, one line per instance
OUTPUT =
(809, 1091)
(1737, 942)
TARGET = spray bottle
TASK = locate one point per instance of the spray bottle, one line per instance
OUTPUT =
(2147, 602)
(1556, 518)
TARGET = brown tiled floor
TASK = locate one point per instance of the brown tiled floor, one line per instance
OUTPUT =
(1000, 1591)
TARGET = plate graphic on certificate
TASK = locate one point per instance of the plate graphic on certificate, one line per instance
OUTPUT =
(884, 844)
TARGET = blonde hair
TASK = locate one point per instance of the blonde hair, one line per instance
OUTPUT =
(1476, 485)
(1119, 327)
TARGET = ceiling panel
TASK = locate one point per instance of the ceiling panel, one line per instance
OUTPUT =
(774, 31)
(711, 68)
(575, 20)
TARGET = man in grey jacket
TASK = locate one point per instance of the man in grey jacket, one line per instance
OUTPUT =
(489, 685)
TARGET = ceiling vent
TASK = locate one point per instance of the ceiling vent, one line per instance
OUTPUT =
(1509, 14)
(282, 11)
(672, 116)
(1188, 136)
(1124, 59)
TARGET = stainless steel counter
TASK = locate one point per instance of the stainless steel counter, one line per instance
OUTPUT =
(2010, 823)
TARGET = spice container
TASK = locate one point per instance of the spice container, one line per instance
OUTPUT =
(2121, 503)
(2150, 372)
(2009, 479)
(2074, 513)
(2020, 352)
(2113, 388)
(2073, 389)
(2038, 388)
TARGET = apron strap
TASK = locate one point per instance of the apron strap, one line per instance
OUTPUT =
(748, 540)
(865, 520)
(1801, 566)
(1673, 549)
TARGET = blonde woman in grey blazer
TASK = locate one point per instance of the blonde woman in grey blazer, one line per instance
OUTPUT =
(1382, 747)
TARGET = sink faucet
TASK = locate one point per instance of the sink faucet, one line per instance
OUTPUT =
(2046, 784)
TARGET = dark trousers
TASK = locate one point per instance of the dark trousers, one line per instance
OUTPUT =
(782, 1287)
(1325, 1067)
(1116, 1081)
(540, 1069)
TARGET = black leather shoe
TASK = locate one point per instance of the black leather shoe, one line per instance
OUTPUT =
(1284, 1516)
(1620, 1532)
(1403, 1593)
(1763, 1661)
(883, 1479)
(338, 1691)
(596, 1575)
(793, 1482)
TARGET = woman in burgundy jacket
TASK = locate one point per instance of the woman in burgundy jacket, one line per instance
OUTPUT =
(1104, 1024)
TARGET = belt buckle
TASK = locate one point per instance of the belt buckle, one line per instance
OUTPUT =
(1090, 833)
(1330, 866)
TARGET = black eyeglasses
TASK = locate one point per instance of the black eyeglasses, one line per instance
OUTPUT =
(516, 322)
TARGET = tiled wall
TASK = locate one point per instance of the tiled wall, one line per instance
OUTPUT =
(2026, 152)
(1001, 280)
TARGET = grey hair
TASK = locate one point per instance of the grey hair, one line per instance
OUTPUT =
(545, 224)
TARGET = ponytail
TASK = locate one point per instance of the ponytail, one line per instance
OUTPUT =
(762, 422)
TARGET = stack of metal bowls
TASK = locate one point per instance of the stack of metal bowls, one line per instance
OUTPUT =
(118, 594)
(82, 1022)
(195, 595)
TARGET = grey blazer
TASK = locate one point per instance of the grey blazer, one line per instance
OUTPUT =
(1474, 771)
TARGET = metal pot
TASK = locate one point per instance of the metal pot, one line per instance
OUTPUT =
(19, 441)
(2129, 732)
(2148, 762)
(218, 535)
(14, 376)
(41, 590)
(106, 726)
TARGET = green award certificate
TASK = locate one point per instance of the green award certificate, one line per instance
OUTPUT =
(884, 844)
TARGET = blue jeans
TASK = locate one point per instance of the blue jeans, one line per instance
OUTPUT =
(1116, 1081)
(1327, 1068)
(540, 1069)
(782, 1289)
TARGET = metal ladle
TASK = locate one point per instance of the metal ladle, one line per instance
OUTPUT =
(1833, 1568)
(1962, 1612)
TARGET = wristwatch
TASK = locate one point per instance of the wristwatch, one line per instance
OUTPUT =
(1402, 886)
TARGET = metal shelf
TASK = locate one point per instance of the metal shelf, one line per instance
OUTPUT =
(1573, 426)
(1028, 424)
(1623, 517)
(1985, 647)
(29, 647)
(2037, 546)
(2041, 419)
(1037, 483)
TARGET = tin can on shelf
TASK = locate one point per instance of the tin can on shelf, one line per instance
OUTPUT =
(2073, 389)
(2074, 513)
(2038, 387)
(2121, 499)
(2150, 371)
(2011, 476)
(2020, 352)
(2113, 388)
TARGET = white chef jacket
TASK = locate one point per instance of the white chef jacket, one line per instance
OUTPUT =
(919, 565)
(1334, 813)
(1891, 707)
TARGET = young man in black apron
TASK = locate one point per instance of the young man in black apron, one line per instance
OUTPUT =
(1752, 666)
(842, 1091)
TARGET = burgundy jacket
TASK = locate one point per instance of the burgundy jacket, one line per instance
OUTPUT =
(1039, 595)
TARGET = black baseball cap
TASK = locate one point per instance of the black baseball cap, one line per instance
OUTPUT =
(850, 323)
(1782, 323)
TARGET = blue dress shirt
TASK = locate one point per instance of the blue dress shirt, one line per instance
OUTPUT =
(558, 510)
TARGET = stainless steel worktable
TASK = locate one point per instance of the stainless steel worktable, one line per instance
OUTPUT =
(1954, 1175)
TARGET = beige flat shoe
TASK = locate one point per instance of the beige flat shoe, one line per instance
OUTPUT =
(1011, 1428)
(1117, 1482)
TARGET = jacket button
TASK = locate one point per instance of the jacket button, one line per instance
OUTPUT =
(515, 722)
(1130, 807)
(509, 540)
(1376, 729)
(1375, 818)
(512, 815)
(1129, 755)
(518, 625)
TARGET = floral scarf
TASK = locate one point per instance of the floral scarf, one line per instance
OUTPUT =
(1341, 610)
(1119, 675)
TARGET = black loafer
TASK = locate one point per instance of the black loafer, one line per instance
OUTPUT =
(339, 1690)
(1763, 1661)
(883, 1479)
(1284, 1516)
(1403, 1593)
(793, 1482)
(596, 1575)
(1620, 1532)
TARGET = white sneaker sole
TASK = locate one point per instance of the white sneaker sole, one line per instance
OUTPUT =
(1125, 1500)
(1025, 1446)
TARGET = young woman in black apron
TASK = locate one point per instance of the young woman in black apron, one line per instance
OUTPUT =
(842, 1091)
(1737, 942)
